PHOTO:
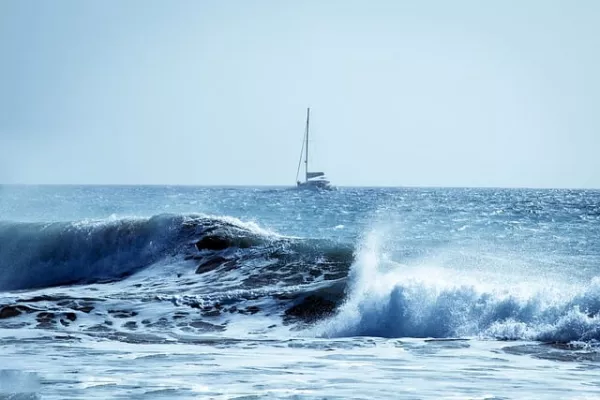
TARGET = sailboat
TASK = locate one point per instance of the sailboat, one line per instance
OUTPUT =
(312, 180)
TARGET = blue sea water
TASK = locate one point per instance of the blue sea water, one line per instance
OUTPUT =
(194, 292)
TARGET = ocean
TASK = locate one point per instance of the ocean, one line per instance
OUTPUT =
(180, 292)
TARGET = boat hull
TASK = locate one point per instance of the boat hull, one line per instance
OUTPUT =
(315, 185)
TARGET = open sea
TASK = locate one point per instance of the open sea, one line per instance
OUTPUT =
(174, 292)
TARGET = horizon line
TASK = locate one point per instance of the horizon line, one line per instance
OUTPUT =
(280, 186)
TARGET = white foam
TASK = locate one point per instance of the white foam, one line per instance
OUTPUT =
(394, 300)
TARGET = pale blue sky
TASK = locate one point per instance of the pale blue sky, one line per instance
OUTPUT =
(419, 93)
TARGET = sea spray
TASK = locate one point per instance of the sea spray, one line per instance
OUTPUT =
(399, 301)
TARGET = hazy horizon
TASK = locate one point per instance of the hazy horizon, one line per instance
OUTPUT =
(402, 94)
(290, 186)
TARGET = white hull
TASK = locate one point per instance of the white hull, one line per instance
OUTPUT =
(315, 185)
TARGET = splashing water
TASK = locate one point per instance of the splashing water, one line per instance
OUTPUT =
(398, 301)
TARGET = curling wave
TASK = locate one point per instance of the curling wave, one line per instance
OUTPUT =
(38, 255)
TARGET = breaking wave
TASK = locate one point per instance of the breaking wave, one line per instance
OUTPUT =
(38, 255)
(34, 255)
(337, 290)
(392, 304)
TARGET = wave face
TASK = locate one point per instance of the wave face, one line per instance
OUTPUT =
(35, 255)
(393, 304)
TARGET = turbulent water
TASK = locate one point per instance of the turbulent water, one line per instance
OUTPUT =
(186, 292)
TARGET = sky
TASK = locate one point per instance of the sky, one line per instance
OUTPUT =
(402, 93)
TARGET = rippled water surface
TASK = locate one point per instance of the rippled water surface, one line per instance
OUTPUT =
(186, 292)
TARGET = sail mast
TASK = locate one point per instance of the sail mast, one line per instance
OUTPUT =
(307, 125)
